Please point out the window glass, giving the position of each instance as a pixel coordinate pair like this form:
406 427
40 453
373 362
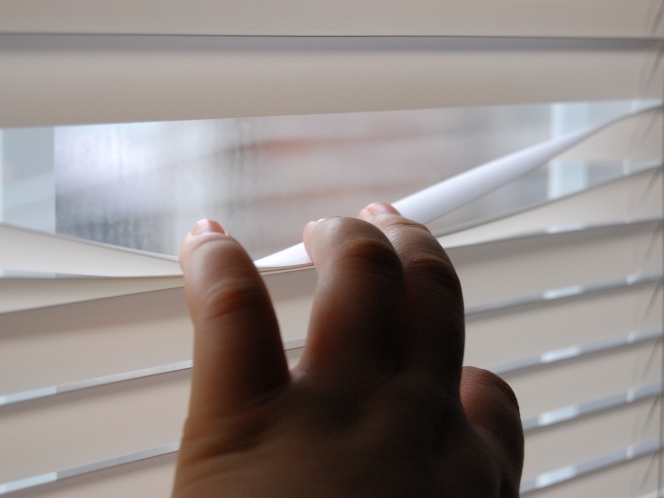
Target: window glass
143 185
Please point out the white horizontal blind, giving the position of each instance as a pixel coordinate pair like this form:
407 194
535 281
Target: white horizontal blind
561 18
558 330
137 78
580 294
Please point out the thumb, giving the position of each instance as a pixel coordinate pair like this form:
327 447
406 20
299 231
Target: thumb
493 409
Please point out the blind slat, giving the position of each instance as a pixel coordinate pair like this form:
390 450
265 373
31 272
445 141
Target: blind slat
590 437
42 348
615 410
27 293
27 250
636 139
635 197
604 375
95 79
152 477
586 18
92 425
556 325
629 477
544 263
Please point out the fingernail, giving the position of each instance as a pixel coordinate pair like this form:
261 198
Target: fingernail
381 208
207 226
313 222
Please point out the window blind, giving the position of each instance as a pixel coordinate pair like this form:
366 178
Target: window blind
61 79
95 340
563 18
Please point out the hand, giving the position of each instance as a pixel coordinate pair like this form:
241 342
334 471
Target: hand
379 405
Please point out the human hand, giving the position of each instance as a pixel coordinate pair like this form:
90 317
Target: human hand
379 404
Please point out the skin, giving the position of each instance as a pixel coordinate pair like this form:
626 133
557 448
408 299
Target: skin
379 404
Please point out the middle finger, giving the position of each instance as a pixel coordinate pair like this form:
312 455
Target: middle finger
356 315
433 337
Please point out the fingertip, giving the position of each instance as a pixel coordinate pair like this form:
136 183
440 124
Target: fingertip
207 226
309 227
477 379
309 233
376 209
196 236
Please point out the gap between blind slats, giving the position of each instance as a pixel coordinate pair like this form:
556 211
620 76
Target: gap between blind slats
94 79
26 250
587 18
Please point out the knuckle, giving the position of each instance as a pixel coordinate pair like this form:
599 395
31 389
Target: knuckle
406 224
496 384
373 253
231 296
422 256
437 268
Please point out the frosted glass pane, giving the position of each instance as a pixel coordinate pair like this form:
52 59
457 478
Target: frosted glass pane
143 185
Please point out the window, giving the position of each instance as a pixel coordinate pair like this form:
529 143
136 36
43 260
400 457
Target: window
97 361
